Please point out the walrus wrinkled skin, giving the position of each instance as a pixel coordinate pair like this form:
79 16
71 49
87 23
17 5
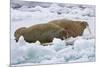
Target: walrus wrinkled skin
45 33
42 32
73 28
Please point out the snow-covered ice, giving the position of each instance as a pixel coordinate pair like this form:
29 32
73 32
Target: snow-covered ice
79 49
58 44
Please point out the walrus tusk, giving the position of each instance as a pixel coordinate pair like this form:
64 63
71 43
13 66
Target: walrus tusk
89 29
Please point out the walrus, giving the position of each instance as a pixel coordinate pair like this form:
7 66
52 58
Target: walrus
73 28
41 32
45 33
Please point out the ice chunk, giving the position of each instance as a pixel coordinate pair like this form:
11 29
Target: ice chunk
81 44
53 60
54 8
31 53
21 41
58 44
68 54
37 43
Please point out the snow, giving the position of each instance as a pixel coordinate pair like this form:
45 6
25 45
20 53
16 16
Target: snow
30 52
78 49
81 44
58 44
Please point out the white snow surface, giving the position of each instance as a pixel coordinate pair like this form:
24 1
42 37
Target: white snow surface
81 50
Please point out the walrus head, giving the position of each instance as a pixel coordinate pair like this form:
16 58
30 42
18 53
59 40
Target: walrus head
85 25
18 33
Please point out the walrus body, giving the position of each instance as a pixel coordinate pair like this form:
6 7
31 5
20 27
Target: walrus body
54 29
42 32
73 28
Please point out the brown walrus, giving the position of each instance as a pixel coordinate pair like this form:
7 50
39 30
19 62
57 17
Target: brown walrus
73 28
45 33
42 32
